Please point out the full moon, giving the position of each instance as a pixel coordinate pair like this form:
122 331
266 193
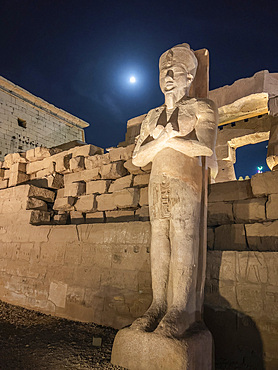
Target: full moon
132 80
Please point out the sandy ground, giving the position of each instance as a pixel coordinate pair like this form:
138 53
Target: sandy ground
33 341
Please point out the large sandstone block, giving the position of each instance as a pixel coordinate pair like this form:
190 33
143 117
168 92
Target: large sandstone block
39 217
12 158
147 168
86 203
62 234
121 183
62 163
94 217
64 204
210 238
36 166
15 167
263 236
17 178
272 207
60 218
7 174
144 198
49 170
228 191
60 193
11 205
77 163
141 180
86 175
41 193
18 192
220 213
86 150
134 170
126 198
230 237
77 218
142 214
119 216
249 210
265 183
105 202
96 160
34 203
38 153
122 153
4 184
96 187
55 181
75 189
113 170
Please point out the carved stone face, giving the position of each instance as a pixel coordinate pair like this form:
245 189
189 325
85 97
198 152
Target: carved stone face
174 78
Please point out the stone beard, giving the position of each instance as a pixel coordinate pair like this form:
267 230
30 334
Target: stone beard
176 138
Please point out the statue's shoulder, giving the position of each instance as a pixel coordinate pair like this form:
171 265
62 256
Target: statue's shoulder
200 103
153 114
205 104
155 111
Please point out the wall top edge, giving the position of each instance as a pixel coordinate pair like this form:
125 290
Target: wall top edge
17 91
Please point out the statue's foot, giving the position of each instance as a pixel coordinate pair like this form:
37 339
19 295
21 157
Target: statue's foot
174 324
149 321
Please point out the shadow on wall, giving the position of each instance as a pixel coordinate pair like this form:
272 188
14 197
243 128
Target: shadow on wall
238 344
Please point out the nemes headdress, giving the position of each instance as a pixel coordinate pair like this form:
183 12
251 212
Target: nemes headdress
179 54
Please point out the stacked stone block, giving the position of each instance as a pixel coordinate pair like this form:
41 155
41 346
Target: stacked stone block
104 188
26 204
242 215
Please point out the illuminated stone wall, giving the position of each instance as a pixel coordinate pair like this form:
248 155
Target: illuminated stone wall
79 248
27 121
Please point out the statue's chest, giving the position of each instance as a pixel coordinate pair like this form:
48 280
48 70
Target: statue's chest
183 119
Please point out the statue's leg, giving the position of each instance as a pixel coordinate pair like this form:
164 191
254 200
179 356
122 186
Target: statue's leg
184 238
160 261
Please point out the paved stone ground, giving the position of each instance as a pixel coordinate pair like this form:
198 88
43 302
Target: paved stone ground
33 341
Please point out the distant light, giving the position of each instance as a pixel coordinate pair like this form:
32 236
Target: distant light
132 80
260 169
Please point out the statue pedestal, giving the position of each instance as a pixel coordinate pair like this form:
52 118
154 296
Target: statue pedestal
139 350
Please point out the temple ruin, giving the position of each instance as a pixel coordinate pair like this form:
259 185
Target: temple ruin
75 231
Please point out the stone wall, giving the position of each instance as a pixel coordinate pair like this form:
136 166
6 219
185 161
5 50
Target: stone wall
91 186
27 121
90 259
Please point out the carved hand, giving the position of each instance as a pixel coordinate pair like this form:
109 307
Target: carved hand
170 130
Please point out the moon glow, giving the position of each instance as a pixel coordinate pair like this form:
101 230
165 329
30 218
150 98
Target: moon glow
132 80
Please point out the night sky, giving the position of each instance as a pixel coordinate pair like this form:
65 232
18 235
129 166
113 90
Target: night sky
79 55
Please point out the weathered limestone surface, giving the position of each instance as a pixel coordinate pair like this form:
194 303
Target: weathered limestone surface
263 185
229 191
249 210
161 352
220 213
271 207
230 237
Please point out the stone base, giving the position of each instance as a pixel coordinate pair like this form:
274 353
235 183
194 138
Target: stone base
138 350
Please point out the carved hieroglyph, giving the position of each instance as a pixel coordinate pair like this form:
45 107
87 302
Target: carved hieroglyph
176 137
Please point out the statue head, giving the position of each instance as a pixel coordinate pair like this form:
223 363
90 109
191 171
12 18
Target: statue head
177 67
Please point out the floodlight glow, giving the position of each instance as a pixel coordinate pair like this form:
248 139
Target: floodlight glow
132 80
